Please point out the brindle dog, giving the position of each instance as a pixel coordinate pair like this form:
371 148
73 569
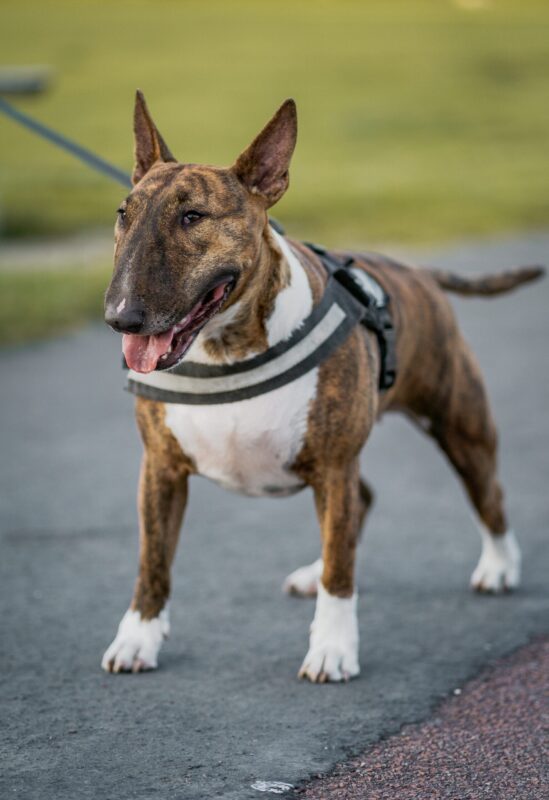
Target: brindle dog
196 263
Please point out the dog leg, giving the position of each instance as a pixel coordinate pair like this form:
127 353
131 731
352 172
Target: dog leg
303 582
467 434
498 569
162 501
333 646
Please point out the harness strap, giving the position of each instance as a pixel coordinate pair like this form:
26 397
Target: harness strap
375 302
191 383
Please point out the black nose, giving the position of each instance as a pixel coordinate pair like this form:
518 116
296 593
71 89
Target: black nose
126 318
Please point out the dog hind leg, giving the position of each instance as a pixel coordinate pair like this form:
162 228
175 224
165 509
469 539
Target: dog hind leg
467 434
303 582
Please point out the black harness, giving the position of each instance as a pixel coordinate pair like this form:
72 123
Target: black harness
376 314
351 296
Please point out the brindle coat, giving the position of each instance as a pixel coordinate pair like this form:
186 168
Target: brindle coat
163 270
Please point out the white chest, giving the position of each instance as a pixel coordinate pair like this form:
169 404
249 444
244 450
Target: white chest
250 445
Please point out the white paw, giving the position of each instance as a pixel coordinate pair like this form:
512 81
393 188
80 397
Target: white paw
333 645
303 582
499 566
137 643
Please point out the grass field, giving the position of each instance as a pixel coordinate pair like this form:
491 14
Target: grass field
40 304
419 121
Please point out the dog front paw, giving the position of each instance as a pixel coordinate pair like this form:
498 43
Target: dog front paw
303 582
137 643
331 663
333 646
498 569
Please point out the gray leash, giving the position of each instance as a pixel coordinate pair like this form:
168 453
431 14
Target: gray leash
85 155
82 153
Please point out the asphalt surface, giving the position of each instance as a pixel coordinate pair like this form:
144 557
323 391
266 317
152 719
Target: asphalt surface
488 741
225 710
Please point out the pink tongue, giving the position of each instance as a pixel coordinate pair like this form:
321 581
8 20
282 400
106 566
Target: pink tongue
142 352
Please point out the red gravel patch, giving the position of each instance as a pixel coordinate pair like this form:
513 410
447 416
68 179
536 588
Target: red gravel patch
490 742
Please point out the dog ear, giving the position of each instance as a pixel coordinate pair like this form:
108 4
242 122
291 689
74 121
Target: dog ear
263 167
149 144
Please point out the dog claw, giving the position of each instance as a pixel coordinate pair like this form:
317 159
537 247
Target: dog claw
326 673
137 643
493 584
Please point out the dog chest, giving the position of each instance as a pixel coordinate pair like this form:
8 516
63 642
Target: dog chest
248 446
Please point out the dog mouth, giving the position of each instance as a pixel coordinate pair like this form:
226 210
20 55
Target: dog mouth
165 350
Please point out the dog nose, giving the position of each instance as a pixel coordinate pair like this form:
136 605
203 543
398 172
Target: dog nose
125 318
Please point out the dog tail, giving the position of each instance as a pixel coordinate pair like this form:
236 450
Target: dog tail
486 285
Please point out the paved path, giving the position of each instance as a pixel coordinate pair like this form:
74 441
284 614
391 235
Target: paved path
85 248
225 710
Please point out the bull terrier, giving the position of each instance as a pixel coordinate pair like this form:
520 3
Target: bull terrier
201 279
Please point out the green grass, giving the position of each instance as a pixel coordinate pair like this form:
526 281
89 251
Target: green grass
419 121
40 304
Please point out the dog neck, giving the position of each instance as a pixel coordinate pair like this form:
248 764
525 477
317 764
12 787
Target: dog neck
273 303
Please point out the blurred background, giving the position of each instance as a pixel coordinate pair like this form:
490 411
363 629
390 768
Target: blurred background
421 122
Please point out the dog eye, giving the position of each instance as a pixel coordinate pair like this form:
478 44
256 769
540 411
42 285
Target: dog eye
189 217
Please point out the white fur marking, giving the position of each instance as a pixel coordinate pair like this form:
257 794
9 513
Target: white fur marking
294 303
499 565
137 643
303 582
247 446
121 305
333 645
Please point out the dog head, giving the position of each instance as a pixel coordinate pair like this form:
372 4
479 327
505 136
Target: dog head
188 236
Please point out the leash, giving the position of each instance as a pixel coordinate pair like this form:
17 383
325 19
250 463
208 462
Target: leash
82 153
